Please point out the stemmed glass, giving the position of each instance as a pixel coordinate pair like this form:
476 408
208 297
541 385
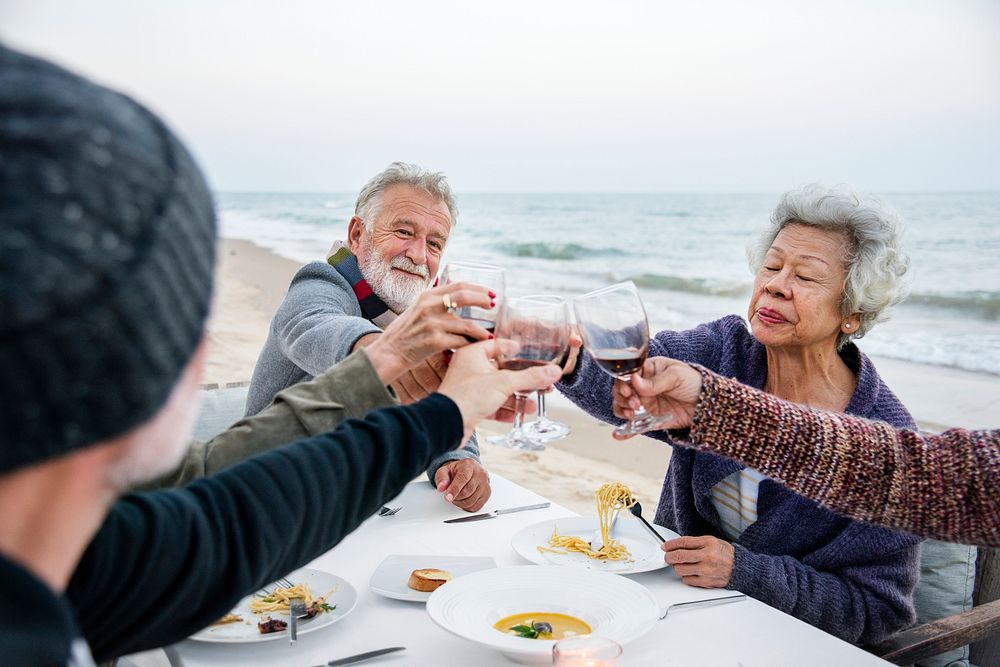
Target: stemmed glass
615 332
489 276
532 333
543 429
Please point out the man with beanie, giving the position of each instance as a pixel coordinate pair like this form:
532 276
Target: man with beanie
106 251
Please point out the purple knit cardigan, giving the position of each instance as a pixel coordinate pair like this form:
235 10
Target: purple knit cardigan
851 579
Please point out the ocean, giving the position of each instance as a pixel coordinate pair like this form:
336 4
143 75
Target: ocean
686 253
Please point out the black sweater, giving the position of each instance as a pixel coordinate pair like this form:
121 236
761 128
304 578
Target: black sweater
168 563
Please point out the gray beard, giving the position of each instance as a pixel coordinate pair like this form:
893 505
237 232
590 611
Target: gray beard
397 292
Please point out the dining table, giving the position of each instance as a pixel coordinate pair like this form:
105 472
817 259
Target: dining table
745 634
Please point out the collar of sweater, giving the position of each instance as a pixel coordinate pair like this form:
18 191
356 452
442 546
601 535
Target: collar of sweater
372 307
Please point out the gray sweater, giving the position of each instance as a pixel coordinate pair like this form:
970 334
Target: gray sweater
316 327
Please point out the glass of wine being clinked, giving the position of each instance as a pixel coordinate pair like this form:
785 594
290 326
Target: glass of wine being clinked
489 276
615 332
531 332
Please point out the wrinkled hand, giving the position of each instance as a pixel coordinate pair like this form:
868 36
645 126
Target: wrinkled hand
422 380
664 387
705 562
426 328
479 388
464 483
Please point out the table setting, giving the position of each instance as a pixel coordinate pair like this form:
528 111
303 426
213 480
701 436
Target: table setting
747 632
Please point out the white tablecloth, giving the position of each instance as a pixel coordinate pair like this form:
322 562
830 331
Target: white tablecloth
747 633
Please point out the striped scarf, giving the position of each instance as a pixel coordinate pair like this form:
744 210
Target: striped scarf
372 307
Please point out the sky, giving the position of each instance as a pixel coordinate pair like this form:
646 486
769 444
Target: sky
553 96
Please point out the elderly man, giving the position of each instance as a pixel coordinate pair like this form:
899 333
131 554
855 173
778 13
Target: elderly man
106 253
402 221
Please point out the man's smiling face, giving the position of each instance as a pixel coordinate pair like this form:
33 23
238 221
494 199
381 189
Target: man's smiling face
400 256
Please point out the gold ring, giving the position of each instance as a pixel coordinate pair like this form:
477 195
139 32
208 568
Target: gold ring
448 304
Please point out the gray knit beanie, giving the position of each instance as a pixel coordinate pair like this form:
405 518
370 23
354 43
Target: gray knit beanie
107 241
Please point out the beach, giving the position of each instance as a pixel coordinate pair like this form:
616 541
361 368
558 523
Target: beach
251 281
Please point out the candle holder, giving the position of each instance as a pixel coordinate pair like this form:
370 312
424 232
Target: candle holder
586 651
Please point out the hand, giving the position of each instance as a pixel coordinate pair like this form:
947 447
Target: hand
464 483
422 380
479 388
705 562
426 328
664 387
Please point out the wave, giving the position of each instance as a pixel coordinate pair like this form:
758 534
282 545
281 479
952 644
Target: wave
985 305
557 251
691 285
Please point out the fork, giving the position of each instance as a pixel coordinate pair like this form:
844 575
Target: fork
595 542
385 510
296 609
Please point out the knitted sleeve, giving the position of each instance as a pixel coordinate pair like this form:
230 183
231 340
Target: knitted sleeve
319 320
165 564
945 487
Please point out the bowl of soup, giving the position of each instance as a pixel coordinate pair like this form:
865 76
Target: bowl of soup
522 611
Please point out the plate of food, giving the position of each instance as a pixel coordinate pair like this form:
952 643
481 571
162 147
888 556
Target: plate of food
263 616
595 543
522 611
414 578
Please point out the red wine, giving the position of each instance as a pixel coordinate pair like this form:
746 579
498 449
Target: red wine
489 325
619 361
521 364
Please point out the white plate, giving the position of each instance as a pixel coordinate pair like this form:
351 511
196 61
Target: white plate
644 549
391 577
613 607
245 632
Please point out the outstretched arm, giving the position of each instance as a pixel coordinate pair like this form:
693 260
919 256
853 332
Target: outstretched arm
945 486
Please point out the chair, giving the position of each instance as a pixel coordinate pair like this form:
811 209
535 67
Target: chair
221 407
980 626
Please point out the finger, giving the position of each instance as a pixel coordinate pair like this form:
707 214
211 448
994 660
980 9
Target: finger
699 581
404 396
530 379
685 542
683 556
685 570
411 387
472 295
426 378
460 477
442 477
622 436
476 502
468 491
438 363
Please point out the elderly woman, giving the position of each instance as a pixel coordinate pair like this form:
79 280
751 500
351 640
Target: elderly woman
827 269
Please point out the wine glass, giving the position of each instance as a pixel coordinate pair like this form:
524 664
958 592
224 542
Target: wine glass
615 333
489 276
542 428
531 333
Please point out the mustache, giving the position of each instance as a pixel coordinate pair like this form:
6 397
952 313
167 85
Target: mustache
406 264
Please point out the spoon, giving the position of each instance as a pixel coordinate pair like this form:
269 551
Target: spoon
636 510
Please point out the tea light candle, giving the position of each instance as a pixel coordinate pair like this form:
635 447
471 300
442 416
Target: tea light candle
586 651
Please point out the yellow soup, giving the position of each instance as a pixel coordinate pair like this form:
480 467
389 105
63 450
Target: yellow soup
530 626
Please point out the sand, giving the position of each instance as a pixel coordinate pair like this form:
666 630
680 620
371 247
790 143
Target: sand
251 281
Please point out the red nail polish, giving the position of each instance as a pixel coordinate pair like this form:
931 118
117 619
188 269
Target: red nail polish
491 336
492 295
493 304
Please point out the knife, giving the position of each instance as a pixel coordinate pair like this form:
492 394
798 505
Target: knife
351 659
495 513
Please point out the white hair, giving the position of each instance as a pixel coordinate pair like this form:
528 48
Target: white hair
875 261
433 183
398 292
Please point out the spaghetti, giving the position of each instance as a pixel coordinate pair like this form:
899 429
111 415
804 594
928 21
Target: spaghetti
280 599
610 498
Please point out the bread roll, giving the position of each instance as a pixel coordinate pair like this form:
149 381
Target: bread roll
428 580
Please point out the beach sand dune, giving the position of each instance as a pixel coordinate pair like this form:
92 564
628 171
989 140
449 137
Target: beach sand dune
251 281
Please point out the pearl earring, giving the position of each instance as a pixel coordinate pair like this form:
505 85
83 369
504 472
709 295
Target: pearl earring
847 326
